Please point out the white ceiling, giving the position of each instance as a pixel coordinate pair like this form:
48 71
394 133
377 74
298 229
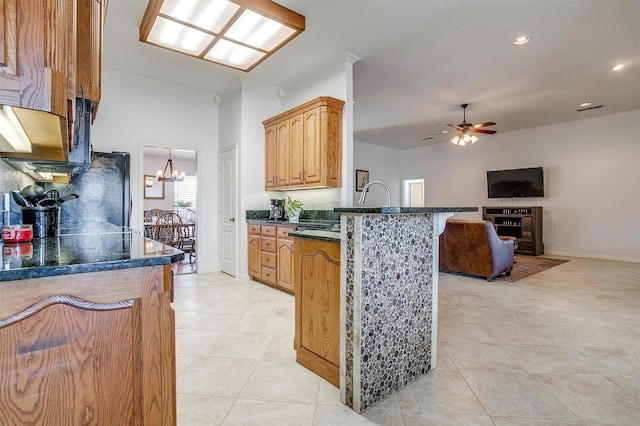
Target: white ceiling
421 59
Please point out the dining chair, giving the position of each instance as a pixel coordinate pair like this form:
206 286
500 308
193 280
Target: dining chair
168 230
149 219
189 239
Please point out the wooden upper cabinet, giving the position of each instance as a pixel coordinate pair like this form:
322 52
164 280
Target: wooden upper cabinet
90 24
38 45
296 150
271 155
282 153
315 145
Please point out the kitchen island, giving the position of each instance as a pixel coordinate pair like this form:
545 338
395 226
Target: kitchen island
388 298
86 329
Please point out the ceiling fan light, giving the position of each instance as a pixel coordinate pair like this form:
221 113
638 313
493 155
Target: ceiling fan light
466 137
455 140
521 40
474 139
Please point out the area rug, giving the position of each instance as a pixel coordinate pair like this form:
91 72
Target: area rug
526 266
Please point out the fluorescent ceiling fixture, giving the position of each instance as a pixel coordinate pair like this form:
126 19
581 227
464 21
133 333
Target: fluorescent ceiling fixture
521 40
236 33
618 67
12 132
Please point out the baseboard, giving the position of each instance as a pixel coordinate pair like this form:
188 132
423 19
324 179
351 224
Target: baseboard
593 256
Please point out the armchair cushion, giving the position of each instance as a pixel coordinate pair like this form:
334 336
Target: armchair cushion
473 247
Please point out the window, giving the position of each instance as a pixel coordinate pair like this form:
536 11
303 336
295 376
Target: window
186 190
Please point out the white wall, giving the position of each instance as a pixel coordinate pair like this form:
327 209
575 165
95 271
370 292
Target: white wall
383 164
134 112
592 181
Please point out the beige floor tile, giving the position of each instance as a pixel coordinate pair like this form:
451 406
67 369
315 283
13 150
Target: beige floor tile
258 324
629 382
249 413
595 399
239 345
422 418
216 376
202 410
505 394
210 321
194 342
280 348
328 394
538 359
480 356
182 362
335 415
439 391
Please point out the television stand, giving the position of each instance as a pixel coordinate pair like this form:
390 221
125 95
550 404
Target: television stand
522 223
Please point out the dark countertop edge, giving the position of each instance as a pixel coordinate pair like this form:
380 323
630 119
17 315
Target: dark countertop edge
404 210
308 236
287 223
54 270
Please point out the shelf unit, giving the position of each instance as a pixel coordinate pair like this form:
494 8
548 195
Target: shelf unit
522 223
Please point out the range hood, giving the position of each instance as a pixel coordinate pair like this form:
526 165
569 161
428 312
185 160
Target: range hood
50 158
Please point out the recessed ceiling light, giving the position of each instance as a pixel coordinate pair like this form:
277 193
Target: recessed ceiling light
521 40
618 67
584 104
445 131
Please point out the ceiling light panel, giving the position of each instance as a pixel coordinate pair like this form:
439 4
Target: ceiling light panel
206 14
258 31
236 33
176 36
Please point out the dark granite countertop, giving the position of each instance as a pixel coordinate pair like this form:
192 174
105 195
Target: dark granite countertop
83 249
314 234
404 210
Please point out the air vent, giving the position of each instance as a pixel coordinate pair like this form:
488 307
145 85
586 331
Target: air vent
588 108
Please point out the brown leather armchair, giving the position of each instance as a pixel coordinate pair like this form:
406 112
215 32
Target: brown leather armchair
473 247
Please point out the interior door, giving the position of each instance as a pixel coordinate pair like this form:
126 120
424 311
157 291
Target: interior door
228 211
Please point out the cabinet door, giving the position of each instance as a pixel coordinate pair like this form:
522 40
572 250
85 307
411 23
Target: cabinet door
296 149
8 49
89 48
312 147
254 255
285 264
282 153
270 156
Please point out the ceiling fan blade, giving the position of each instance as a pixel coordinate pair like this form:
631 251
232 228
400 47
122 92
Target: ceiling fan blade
488 123
455 127
488 132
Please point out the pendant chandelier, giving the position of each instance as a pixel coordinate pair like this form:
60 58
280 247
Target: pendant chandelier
173 176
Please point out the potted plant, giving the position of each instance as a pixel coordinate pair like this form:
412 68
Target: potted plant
293 208
182 206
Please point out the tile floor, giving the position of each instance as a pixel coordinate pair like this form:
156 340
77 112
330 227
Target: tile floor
560 348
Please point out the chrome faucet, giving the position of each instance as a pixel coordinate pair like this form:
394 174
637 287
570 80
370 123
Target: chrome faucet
366 187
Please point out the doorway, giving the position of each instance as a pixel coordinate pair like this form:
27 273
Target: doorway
413 193
178 197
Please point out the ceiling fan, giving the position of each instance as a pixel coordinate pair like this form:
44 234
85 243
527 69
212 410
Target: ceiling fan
463 137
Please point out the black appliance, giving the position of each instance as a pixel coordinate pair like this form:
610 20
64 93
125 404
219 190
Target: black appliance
104 190
515 183
276 211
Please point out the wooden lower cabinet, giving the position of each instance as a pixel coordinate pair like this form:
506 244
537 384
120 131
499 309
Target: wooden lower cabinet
317 307
92 348
270 252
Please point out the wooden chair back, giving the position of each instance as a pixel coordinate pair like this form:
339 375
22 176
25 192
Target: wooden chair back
168 229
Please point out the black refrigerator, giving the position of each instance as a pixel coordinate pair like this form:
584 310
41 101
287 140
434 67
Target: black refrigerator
104 190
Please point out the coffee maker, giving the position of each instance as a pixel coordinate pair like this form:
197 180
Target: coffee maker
276 212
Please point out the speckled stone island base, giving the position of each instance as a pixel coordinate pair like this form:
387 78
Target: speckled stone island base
388 303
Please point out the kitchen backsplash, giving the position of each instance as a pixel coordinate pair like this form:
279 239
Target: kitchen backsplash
305 215
11 180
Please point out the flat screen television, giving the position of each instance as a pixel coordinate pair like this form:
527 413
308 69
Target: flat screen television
515 183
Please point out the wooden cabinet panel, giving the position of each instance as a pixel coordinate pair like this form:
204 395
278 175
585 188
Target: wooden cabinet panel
268 231
254 255
269 260
285 264
283 231
312 147
268 244
270 152
254 229
522 223
94 348
282 152
90 22
317 317
296 156
8 49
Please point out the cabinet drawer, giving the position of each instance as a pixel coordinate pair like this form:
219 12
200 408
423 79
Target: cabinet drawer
268 244
269 275
268 231
283 231
254 229
524 245
269 259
